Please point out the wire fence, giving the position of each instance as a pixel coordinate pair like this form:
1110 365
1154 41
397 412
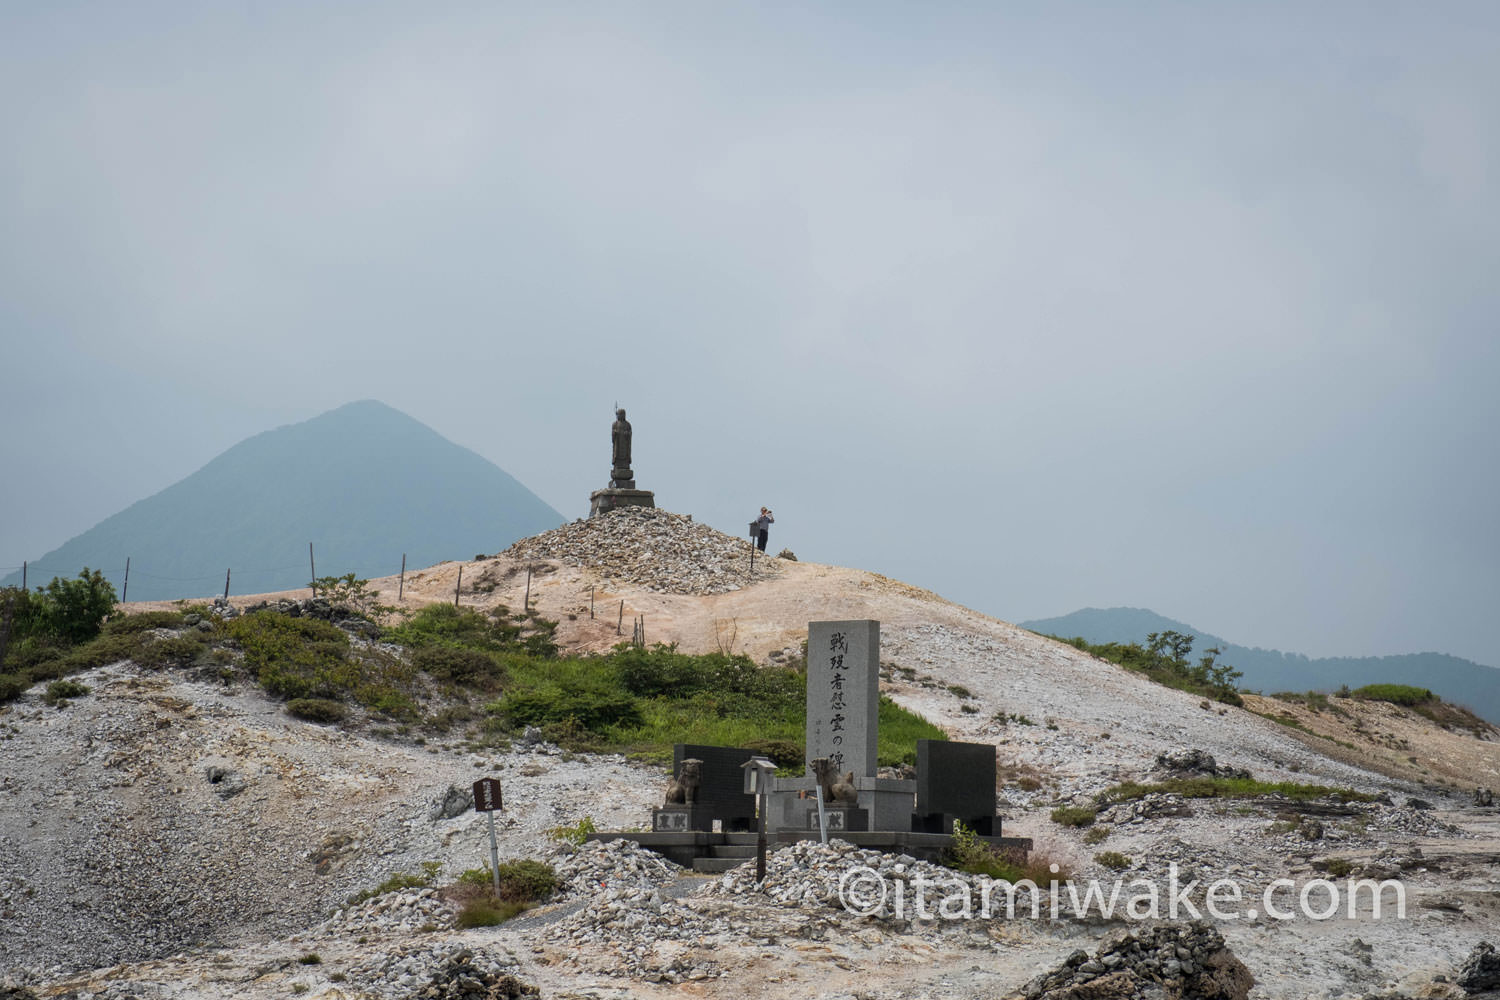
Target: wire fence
231 579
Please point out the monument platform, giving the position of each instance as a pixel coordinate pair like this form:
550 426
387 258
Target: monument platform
607 499
685 847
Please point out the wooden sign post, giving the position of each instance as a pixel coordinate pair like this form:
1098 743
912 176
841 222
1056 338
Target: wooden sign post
487 800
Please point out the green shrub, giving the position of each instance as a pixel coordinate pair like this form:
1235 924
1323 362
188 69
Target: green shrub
143 621
1113 859
970 854
1339 867
294 657
785 753
465 667
526 881
1164 659
587 692
1078 816
495 632
661 670
347 593
1096 834
575 834
399 881
58 692
486 912
1396 694
178 651
74 610
101 652
12 687
317 709
311 958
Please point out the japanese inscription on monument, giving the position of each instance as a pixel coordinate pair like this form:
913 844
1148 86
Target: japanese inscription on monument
843 693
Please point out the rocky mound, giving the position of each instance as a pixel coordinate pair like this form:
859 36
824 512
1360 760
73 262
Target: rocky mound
1188 960
653 548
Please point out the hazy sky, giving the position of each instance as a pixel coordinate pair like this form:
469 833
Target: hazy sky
1182 306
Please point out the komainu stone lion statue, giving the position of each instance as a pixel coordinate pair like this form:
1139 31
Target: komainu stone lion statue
837 789
683 789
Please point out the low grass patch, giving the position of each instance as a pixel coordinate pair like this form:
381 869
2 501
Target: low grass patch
317 709
1076 816
642 701
60 692
1229 788
305 658
523 884
1165 660
487 912
971 854
1113 860
1396 694
399 881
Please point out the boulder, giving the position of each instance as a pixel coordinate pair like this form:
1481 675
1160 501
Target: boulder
1481 970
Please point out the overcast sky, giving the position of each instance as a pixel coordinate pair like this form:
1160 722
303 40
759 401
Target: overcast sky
1182 306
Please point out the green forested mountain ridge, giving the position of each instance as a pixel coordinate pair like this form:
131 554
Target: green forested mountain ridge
364 483
1454 679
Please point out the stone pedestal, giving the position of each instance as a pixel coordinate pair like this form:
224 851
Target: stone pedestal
884 804
841 819
678 819
605 500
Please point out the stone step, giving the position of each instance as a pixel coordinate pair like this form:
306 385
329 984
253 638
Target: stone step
740 851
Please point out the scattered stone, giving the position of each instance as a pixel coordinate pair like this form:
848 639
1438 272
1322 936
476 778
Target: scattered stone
1484 797
1153 806
460 979
227 782
1197 762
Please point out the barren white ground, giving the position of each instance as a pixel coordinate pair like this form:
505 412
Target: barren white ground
109 817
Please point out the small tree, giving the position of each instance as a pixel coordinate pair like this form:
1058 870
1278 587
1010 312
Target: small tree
74 610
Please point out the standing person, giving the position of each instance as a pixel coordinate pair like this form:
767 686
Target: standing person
763 528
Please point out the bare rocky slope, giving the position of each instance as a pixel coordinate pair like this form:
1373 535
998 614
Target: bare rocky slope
173 836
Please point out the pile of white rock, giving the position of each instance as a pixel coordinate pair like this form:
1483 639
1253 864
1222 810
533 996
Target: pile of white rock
652 548
595 866
644 934
440 970
405 911
860 883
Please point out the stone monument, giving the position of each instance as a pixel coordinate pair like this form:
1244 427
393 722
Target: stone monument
621 491
843 705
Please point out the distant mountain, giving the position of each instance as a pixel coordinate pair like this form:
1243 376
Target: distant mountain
364 483
1463 682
